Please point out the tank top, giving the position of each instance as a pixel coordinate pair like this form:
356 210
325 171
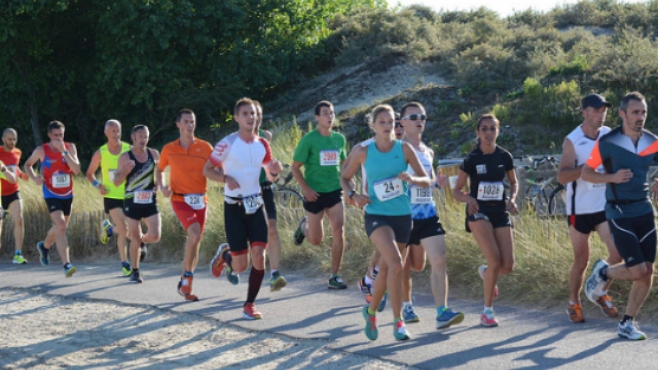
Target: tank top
57 175
585 197
388 195
109 163
10 159
422 202
140 181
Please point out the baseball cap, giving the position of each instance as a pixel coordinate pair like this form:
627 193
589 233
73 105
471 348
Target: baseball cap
594 101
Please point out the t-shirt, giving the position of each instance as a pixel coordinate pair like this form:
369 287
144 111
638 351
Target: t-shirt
10 159
486 173
616 151
321 157
422 202
186 168
243 161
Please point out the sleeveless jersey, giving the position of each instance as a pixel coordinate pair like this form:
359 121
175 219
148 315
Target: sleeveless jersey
422 202
10 159
141 177
57 175
487 173
109 163
585 197
382 170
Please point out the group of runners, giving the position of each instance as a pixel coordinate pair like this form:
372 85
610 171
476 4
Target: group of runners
605 172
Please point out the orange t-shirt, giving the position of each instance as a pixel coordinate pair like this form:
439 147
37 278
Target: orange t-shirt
186 167
10 159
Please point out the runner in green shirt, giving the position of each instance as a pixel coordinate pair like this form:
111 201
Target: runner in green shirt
321 152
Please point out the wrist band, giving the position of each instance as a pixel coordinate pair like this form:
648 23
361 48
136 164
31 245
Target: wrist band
224 178
64 153
95 183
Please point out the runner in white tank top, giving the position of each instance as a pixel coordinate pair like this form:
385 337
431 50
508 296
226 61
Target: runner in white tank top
585 202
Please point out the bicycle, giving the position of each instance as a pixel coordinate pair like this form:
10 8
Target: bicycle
538 190
557 202
286 196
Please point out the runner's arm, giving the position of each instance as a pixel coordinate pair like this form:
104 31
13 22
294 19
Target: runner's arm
590 174
159 175
347 175
93 167
124 166
37 155
214 173
7 175
568 171
421 179
71 156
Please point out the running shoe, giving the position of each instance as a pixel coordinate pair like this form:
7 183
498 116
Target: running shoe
575 313
142 252
595 283
44 254
605 303
217 264
277 282
446 317
487 319
299 236
125 268
400 331
106 231
231 276
371 324
69 270
135 277
481 271
366 289
335 282
409 315
382 303
18 259
251 313
185 289
630 330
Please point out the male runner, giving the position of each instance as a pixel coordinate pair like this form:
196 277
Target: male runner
59 161
626 154
277 281
11 198
186 158
107 157
241 155
586 203
136 168
320 152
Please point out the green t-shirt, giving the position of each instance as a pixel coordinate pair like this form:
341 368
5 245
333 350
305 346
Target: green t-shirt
321 156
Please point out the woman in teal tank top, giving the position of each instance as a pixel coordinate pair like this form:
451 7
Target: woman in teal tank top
388 210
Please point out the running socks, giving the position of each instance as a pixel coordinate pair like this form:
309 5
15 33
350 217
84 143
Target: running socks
273 272
67 265
188 273
626 318
255 280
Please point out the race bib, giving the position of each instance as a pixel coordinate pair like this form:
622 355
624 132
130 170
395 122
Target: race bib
143 197
12 168
195 201
592 186
421 195
62 180
329 158
388 189
490 191
111 174
252 203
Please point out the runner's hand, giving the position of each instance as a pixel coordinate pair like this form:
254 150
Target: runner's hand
59 145
23 176
622 176
442 179
130 165
166 191
360 200
102 189
38 180
231 183
310 195
405 176
275 167
511 207
473 207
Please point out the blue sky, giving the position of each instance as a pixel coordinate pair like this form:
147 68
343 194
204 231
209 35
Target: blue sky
502 7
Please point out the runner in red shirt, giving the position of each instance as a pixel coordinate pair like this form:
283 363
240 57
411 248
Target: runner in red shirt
11 200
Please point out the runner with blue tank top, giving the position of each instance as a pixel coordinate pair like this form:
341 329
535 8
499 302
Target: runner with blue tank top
487 206
388 210
59 161
427 230
626 154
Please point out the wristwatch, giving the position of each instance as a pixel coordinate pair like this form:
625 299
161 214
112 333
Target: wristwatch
351 193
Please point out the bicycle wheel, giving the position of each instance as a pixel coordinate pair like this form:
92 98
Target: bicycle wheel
289 204
541 202
557 202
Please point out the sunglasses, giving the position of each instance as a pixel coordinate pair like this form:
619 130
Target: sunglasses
415 117
398 124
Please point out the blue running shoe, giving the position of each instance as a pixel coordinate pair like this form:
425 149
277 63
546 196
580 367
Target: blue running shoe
400 331
371 324
230 276
44 254
408 314
446 317
382 303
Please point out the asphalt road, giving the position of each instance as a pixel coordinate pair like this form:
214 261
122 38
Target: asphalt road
306 310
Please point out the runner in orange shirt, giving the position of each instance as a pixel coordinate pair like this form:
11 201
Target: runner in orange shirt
187 187
11 199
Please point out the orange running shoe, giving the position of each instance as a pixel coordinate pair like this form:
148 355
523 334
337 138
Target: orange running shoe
251 313
575 312
217 264
605 303
185 289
